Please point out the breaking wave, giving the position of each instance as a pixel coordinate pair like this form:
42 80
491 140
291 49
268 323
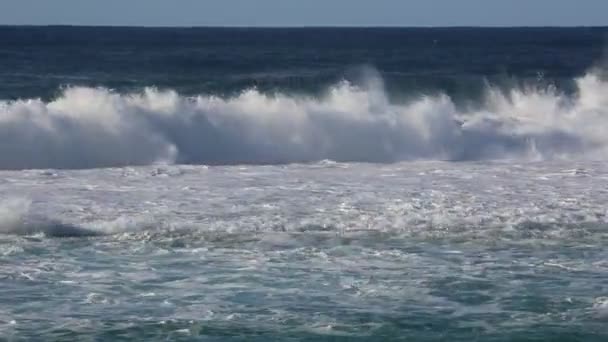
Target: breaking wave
96 127
15 218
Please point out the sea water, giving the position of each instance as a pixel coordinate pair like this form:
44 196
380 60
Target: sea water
303 184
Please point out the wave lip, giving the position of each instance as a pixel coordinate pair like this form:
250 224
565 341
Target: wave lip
95 127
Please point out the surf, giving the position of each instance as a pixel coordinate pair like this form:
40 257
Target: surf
96 127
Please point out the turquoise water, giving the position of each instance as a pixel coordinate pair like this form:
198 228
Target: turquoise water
370 288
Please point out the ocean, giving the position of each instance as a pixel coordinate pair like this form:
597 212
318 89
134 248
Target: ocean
303 184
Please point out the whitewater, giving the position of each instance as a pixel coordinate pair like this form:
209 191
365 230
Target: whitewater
96 127
323 251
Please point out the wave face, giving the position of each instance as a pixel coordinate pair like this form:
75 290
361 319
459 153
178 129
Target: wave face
96 127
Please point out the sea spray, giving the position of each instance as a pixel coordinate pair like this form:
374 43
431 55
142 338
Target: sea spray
96 127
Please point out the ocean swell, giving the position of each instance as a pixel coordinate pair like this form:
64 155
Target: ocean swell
96 127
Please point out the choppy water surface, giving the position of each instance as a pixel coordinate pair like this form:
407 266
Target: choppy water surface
423 251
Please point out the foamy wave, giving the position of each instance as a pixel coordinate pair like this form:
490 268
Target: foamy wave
15 218
95 127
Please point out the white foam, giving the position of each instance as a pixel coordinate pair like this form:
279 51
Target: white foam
95 127
12 214
16 218
600 306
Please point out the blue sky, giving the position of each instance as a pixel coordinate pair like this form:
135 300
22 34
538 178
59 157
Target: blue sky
306 12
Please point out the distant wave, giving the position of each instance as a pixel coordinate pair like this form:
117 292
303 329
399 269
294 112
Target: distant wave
96 127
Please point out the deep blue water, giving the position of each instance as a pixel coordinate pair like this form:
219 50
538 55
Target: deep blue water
36 61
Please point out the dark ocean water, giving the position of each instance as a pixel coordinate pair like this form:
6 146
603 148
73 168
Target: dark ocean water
318 184
36 61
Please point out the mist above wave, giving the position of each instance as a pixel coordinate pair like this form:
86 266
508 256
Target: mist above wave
96 127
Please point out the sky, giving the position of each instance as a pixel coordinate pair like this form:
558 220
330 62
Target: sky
306 12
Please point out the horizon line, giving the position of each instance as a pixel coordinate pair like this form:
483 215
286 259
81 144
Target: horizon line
308 26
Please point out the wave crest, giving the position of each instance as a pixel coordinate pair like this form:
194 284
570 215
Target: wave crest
96 127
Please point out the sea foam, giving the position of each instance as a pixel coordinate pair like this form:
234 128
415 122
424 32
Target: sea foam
96 127
16 218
